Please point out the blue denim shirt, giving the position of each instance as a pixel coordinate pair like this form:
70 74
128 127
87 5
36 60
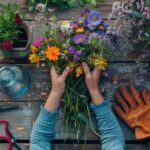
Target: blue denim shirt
111 135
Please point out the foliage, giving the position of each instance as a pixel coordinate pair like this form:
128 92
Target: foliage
8 27
61 4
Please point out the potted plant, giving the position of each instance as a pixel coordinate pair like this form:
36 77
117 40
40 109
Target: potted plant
15 36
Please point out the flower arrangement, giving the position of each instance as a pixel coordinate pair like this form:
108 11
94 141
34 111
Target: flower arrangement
133 23
69 43
9 24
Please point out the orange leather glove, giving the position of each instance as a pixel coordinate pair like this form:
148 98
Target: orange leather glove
134 109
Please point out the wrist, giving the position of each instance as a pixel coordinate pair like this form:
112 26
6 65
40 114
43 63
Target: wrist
96 96
56 93
53 100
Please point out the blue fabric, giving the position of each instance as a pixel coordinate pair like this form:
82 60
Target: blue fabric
109 129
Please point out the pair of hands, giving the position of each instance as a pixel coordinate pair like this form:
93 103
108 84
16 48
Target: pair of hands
58 86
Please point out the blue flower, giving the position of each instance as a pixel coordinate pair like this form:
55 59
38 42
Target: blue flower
94 18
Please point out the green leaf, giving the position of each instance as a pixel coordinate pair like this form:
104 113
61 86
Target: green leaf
86 1
93 3
71 3
82 3
82 117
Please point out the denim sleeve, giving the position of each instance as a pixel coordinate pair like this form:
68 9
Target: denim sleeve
43 131
111 136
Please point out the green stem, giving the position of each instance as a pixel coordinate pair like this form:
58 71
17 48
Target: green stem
91 121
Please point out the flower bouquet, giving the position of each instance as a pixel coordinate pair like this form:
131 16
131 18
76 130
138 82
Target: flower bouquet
69 43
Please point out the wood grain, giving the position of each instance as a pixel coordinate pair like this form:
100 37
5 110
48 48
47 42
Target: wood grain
25 116
80 147
122 73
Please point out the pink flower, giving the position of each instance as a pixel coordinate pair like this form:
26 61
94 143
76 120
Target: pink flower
38 41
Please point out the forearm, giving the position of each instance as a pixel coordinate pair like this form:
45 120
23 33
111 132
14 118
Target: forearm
111 135
43 130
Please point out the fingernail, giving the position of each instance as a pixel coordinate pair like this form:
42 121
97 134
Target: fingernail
68 68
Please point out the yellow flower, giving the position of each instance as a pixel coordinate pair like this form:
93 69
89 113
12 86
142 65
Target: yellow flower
71 65
65 22
65 52
52 53
79 71
34 58
80 30
101 63
33 49
50 39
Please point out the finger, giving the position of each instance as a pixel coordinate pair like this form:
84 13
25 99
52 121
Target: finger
136 94
53 72
119 112
86 70
96 73
146 95
65 73
122 103
125 93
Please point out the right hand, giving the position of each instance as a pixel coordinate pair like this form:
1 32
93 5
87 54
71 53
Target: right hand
92 82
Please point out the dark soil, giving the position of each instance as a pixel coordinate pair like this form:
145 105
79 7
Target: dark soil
22 39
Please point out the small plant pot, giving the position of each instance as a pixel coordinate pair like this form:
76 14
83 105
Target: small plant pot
21 45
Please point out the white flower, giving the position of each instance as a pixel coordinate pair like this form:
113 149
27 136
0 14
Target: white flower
66 27
40 7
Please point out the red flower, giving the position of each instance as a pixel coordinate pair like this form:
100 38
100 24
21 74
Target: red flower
18 19
7 45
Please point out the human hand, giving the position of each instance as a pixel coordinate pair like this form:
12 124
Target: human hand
92 82
58 88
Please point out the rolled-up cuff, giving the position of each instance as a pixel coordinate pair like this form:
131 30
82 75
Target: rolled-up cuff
101 109
46 115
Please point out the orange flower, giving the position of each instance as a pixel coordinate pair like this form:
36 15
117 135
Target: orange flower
80 30
79 71
52 53
33 49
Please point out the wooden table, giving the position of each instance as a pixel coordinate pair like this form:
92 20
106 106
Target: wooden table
21 120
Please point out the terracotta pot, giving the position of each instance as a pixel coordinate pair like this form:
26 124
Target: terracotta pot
22 43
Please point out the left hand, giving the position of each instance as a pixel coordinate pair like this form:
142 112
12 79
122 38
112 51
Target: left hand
58 88
58 81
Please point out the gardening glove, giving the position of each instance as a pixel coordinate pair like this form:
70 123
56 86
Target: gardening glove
134 109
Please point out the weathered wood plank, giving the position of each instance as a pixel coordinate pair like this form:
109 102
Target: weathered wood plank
26 114
122 73
80 147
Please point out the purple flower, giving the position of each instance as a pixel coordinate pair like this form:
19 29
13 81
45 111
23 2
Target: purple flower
62 35
74 25
79 38
76 54
108 73
75 57
71 50
86 12
102 33
94 18
38 41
